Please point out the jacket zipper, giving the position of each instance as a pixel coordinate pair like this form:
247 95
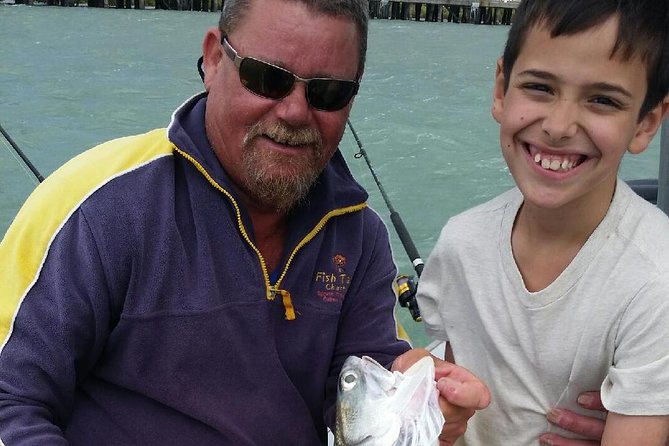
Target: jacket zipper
272 290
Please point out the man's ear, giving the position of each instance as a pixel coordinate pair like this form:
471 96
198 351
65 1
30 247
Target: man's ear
648 126
212 52
498 91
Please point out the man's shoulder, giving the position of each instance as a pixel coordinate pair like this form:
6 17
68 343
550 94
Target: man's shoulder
75 181
113 158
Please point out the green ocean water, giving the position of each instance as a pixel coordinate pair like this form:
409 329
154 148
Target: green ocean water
74 77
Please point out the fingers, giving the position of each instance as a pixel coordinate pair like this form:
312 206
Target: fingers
456 384
460 395
556 440
407 359
588 427
455 423
591 400
451 432
454 414
460 387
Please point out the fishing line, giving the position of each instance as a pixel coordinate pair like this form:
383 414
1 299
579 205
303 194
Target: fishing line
406 287
23 157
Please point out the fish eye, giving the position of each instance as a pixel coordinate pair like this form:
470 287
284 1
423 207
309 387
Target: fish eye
348 380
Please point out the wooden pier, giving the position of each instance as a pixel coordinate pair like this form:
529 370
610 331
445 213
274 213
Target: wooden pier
491 12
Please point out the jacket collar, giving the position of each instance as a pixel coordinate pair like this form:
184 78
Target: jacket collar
334 188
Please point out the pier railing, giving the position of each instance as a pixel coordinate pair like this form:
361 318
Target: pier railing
490 12
456 11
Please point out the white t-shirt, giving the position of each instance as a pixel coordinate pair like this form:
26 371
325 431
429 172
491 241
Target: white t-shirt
603 323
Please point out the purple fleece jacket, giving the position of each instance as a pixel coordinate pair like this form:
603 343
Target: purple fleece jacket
150 319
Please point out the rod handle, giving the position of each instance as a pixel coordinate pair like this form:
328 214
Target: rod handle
407 242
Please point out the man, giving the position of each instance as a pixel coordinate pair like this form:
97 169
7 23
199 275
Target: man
203 285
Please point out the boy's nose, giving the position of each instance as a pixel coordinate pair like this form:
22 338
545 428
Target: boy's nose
561 120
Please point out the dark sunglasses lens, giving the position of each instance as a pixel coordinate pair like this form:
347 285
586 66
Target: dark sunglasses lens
330 94
264 79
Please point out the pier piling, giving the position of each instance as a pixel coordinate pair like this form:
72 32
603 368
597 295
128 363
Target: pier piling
490 12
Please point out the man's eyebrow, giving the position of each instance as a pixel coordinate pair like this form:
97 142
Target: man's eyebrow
600 86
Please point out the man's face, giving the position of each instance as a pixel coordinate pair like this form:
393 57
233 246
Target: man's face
274 149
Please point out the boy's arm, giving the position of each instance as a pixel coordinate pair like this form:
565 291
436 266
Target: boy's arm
624 430
591 428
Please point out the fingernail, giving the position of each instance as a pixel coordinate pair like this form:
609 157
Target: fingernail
554 415
545 441
584 399
446 386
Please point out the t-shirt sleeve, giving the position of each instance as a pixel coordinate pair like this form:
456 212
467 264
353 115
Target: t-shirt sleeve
430 290
637 382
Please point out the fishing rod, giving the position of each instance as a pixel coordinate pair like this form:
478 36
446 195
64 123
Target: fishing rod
405 284
23 157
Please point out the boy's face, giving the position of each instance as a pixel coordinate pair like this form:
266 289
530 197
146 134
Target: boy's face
569 115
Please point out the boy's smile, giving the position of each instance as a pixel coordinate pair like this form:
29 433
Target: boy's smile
569 114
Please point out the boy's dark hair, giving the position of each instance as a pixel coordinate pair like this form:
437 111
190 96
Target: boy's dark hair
643 31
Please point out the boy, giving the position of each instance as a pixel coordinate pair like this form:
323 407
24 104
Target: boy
561 285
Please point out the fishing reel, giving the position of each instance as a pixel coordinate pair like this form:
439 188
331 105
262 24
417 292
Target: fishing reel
406 295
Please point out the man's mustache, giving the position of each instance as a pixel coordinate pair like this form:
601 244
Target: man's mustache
284 134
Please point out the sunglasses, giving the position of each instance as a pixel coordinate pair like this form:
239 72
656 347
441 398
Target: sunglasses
269 81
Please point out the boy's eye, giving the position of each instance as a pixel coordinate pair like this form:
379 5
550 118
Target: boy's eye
605 100
536 87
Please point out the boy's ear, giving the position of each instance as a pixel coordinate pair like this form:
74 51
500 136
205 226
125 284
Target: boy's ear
498 92
212 52
648 126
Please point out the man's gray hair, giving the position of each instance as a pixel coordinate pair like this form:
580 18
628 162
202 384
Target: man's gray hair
356 10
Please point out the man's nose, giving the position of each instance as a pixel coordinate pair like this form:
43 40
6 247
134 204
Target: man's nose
294 108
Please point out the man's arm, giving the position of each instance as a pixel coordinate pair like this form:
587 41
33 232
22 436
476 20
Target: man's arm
367 324
53 334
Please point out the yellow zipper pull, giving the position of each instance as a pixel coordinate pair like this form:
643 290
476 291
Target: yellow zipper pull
287 304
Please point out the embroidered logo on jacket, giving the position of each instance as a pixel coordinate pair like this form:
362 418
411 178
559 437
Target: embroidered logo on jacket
334 283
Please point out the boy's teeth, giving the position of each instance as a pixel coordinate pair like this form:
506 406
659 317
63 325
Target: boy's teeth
554 163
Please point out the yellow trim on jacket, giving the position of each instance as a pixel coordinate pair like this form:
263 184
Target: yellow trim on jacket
26 243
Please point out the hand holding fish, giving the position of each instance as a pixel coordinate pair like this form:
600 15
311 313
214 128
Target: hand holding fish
460 393
405 406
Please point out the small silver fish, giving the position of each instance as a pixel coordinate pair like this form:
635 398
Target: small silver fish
376 407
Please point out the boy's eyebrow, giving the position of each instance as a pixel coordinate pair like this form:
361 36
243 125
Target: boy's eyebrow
602 86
